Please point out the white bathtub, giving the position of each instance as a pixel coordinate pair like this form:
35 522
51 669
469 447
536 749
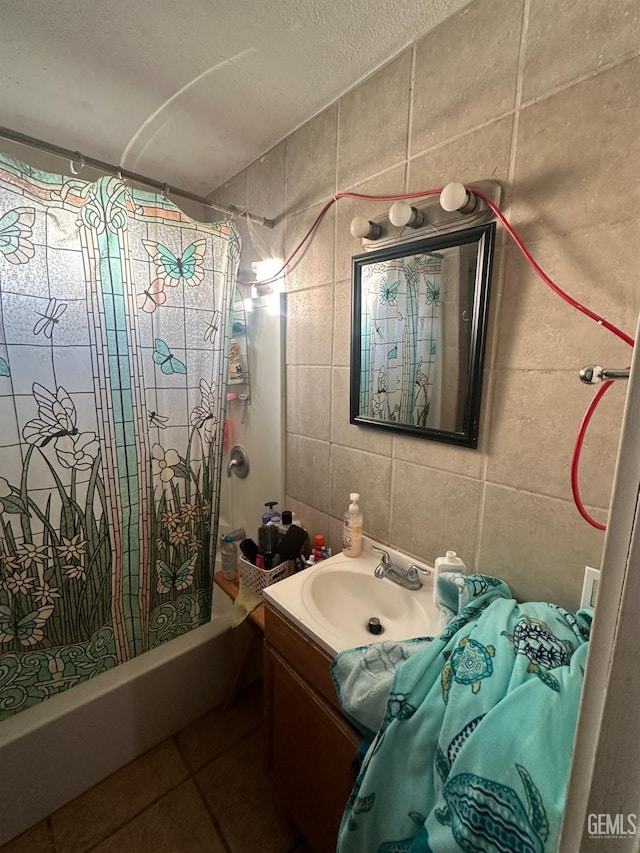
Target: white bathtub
56 750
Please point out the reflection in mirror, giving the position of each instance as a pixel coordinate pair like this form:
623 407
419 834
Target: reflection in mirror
418 335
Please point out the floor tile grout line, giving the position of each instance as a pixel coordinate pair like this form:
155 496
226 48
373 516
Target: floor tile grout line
227 748
52 840
211 811
137 814
297 845
174 737
213 817
189 774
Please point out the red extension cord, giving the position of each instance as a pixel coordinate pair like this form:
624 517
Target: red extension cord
602 321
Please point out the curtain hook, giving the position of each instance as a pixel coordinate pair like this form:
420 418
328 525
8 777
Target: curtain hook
120 176
80 158
165 190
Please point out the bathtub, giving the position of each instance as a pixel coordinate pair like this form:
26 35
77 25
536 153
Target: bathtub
56 750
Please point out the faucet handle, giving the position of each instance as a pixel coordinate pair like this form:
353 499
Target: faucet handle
386 559
238 462
412 574
418 569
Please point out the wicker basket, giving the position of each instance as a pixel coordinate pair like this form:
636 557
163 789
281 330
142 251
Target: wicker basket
257 579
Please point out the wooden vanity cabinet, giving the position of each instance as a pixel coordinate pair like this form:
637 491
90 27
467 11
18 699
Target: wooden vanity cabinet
309 746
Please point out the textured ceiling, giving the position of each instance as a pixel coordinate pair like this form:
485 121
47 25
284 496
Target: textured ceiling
190 91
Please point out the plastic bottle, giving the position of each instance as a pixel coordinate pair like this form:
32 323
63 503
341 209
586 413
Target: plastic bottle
238 534
449 563
268 543
318 548
352 532
229 551
289 518
285 522
271 514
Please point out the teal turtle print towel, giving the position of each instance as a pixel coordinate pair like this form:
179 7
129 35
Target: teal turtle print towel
474 747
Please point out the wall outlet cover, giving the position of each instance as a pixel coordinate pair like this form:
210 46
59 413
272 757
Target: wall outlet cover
590 587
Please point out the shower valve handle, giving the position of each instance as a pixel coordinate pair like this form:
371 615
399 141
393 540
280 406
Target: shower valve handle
238 462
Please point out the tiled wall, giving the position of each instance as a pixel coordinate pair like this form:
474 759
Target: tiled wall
542 97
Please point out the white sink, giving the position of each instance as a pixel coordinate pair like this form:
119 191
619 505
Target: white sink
333 601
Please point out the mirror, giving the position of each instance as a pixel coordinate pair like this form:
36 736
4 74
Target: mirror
418 335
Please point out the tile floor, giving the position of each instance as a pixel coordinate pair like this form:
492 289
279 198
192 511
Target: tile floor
202 790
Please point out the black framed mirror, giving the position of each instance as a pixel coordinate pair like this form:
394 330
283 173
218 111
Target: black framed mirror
418 333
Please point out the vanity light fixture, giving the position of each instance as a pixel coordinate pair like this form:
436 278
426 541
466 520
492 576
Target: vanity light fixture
402 214
454 208
265 283
266 289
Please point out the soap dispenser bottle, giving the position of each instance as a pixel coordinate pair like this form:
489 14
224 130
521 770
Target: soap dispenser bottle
449 563
271 515
352 531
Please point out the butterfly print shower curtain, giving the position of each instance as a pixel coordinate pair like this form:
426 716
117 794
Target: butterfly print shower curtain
114 337
402 325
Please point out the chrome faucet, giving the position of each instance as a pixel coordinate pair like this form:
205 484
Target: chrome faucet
408 578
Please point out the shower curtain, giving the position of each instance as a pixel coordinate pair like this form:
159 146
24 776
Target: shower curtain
402 326
114 319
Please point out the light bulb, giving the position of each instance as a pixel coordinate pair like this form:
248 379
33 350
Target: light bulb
364 229
264 270
455 197
401 214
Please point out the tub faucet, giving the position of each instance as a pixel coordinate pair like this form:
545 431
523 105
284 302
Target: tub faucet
408 578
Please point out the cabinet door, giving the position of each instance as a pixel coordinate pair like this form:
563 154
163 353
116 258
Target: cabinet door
310 750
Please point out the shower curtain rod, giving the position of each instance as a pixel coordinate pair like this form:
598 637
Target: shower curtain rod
166 189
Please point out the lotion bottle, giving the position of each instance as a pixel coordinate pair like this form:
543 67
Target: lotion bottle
352 531
271 515
449 563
